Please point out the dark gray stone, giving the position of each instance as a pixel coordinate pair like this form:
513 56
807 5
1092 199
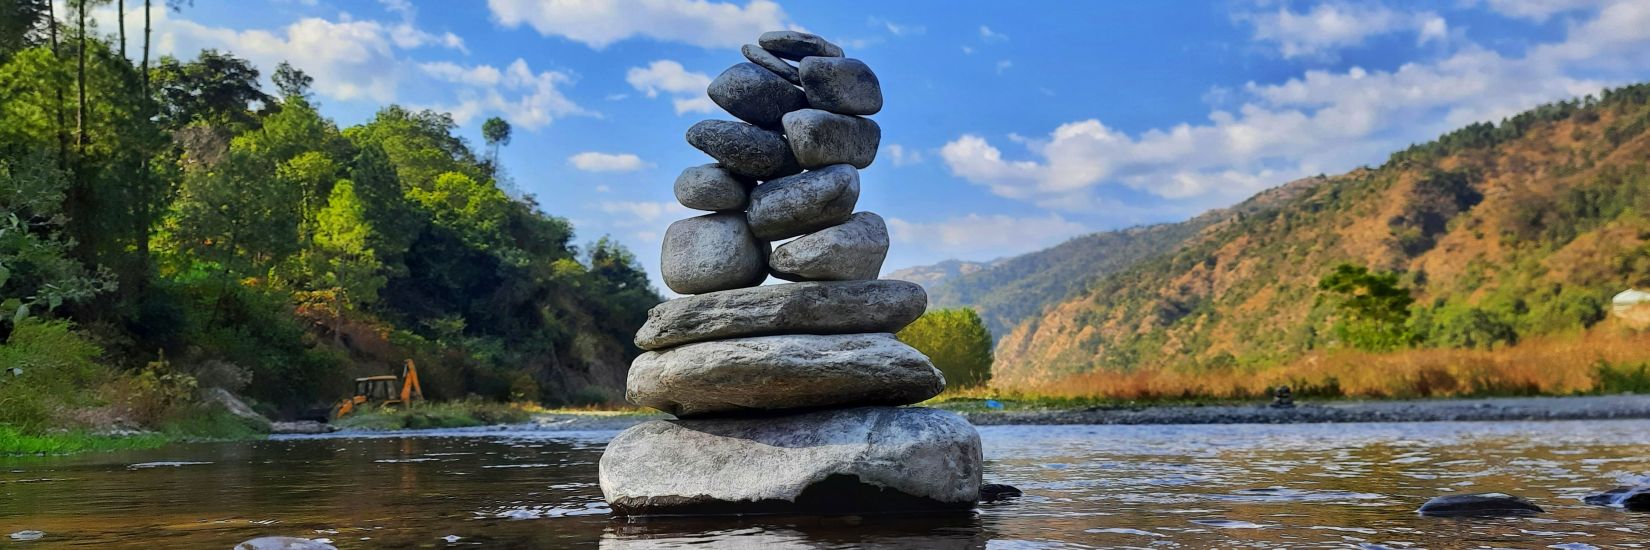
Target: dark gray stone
769 61
993 492
1479 504
852 461
844 307
709 187
785 372
710 253
804 203
1631 498
743 149
851 251
822 138
756 95
794 45
841 85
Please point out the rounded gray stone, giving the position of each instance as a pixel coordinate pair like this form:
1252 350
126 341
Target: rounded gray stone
804 203
851 251
756 95
836 307
769 61
905 459
795 45
744 149
710 253
710 187
840 85
776 373
822 138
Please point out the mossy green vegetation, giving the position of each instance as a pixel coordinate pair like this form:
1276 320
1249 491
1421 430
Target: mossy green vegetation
169 225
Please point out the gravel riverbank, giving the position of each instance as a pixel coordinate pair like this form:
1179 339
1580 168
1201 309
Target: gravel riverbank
1428 410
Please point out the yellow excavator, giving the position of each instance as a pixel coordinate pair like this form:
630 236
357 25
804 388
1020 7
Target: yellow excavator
380 390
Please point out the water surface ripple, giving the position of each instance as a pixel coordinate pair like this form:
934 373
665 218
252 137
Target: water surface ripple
1243 486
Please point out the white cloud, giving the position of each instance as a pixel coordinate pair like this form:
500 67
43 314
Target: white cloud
988 236
1539 10
1004 65
592 161
667 76
898 29
644 213
968 50
598 23
1331 26
989 35
1322 121
603 188
526 98
899 155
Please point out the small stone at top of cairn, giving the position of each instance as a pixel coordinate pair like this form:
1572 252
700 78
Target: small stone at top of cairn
789 398
1282 398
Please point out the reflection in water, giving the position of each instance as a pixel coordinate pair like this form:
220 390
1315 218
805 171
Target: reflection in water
1302 486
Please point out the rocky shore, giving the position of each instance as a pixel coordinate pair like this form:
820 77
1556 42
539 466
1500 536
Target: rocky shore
1506 409
1427 410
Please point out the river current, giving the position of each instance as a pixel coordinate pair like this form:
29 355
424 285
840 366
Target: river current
1215 486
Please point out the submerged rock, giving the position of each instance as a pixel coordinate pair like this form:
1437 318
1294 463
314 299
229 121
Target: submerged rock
861 460
804 308
1631 498
992 492
1479 504
284 543
777 373
301 427
28 535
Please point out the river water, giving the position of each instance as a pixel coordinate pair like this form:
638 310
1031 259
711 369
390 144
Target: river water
1243 486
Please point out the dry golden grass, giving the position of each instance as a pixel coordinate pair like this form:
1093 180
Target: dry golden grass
1604 360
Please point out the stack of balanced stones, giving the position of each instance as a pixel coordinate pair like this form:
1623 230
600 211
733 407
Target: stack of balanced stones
787 397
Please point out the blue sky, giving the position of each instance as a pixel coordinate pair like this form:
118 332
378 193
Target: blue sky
1008 126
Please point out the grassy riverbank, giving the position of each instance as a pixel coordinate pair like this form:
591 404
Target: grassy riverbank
452 414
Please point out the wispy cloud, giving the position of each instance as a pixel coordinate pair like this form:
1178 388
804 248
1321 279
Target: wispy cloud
687 88
599 23
592 161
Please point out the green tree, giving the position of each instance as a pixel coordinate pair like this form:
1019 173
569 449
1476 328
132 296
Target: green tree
1372 309
22 25
292 82
343 237
37 272
957 342
497 133
217 89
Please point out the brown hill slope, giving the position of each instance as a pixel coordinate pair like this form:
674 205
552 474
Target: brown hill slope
1501 231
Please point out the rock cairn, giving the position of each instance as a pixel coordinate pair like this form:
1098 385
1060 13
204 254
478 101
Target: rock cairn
788 396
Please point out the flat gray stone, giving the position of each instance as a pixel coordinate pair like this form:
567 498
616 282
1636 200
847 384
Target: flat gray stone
851 251
794 45
283 543
841 85
743 149
756 95
804 203
844 307
852 461
1479 504
822 138
710 253
769 61
776 373
710 187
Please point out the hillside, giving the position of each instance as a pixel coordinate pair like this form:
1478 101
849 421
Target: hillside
1498 232
1009 290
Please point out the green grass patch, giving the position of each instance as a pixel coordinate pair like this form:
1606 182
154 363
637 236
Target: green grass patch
424 416
15 442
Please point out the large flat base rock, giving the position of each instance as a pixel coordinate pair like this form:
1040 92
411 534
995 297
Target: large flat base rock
849 461
836 307
765 374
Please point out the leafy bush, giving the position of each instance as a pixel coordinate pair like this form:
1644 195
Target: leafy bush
47 367
958 343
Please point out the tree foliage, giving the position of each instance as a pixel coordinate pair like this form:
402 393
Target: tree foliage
956 341
1373 309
